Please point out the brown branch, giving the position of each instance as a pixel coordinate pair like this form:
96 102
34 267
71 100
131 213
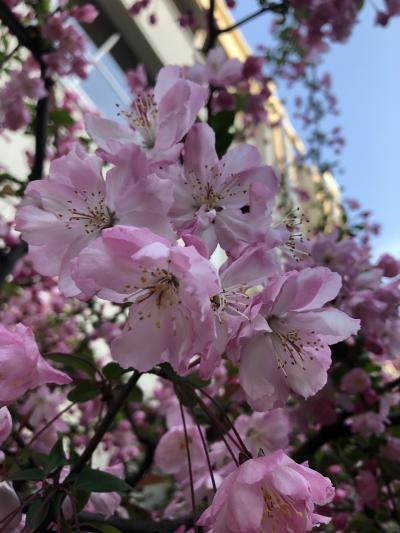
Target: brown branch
325 434
27 37
9 259
211 27
40 128
115 405
280 8
390 385
208 45
150 448
189 460
244 20
30 39
328 434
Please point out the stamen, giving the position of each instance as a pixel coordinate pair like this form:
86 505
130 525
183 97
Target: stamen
143 115
96 217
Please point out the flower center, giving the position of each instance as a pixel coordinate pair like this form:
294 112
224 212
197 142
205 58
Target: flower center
95 215
277 508
292 225
294 345
160 283
143 116
233 300
212 193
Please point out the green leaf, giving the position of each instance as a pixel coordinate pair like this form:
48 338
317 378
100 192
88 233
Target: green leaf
197 381
113 370
84 391
81 498
36 514
390 469
186 395
74 362
221 123
99 481
360 4
61 117
395 431
56 459
136 395
31 474
170 372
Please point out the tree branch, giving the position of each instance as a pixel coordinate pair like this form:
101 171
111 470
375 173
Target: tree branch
208 45
112 411
150 448
212 28
27 37
324 435
327 434
9 259
390 385
244 20
30 39
40 127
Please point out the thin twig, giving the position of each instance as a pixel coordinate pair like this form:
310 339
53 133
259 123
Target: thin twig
189 460
221 429
244 20
113 409
9 55
150 448
226 417
207 457
30 39
56 417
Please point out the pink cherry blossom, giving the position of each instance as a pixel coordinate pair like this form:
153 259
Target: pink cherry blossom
10 508
171 456
266 432
390 265
137 79
86 13
40 407
68 45
22 366
218 70
222 201
62 214
392 449
368 423
271 493
102 503
106 503
231 306
5 424
289 345
159 119
169 288
367 489
355 381
252 67
14 113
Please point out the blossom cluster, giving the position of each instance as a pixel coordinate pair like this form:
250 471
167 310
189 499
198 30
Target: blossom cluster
164 252
62 50
141 222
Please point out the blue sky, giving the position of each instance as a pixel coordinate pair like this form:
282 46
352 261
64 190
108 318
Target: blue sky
366 80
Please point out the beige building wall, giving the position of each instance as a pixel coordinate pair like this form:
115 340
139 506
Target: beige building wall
166 43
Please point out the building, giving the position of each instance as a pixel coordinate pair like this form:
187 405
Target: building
118 42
